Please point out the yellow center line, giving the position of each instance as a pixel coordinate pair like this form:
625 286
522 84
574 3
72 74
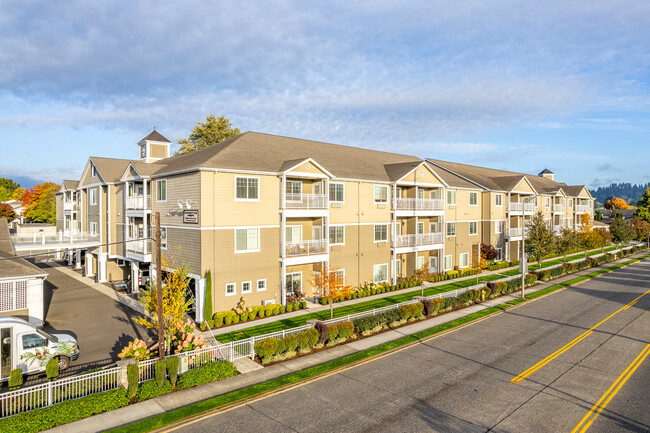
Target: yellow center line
569 345
604 400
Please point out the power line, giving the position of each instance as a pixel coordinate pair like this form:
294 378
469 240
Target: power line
70 249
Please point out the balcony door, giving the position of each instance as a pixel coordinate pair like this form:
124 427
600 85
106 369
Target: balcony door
294 234
294 282
317 233
318 188
420 228
433 264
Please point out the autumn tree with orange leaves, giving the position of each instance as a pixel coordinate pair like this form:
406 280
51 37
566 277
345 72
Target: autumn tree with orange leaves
616 203
39 203
329 283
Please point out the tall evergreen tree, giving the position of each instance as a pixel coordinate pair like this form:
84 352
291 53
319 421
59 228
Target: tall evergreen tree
539 238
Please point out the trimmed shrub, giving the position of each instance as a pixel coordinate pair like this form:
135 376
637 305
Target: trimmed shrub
544 275
267 313
450 303
133 375
266 349
15 378
303 304
160 368
332 332
290 343
151 388
323 300
218 322
203 326
52 369
275 311
227 320
207 373
172 368
289 308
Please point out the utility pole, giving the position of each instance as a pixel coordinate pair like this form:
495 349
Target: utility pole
161 334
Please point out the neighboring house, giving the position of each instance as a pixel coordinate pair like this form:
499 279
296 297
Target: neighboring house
17 206
21 283
264 212
601 225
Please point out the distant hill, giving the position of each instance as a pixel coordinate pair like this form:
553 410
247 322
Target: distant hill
628 192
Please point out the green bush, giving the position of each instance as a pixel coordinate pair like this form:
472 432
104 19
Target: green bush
252 315
266 349
151 388
52 369
322 300
160 368
289 308
282 309
65 412
303 304
346 329
235 319
15 378
172 368
276 311
207 373
450 303
207 308
544 275
218 322
210 324
133 376
203 326
227 320
243 317
290 343
267 313
296 306
332 332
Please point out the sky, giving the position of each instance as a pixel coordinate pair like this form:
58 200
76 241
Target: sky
515 85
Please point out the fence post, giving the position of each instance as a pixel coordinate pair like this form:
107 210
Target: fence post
253 345
122 376
49 393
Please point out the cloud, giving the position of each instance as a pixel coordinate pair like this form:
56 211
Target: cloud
603 182
607 167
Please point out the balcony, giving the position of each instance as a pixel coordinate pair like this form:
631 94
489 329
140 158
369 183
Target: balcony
69 206
557 229
306 248
137 202
515 232
139 246
521 207
416 240
558 208
419 204
305 201
582 208
49 241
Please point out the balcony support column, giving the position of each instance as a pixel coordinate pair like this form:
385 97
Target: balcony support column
393 257
144 194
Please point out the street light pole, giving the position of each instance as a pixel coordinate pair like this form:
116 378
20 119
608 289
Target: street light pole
522 257
159 304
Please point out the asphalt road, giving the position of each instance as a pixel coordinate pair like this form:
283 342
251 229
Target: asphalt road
463 381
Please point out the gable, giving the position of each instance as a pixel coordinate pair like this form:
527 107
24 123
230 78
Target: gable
422 174
524 187
87 178
308 167
130 173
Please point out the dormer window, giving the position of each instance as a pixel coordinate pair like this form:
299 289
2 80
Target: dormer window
93 171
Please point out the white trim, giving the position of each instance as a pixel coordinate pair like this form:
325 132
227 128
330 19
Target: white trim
470 198
374 232
250 287
291 227
462 177
158 182
328 192
447 224
258 240
385 187
234 285
92 202
336 226
499 195
374 272
460 260
470 228
259 188
444 263
257 286
447 197
306 160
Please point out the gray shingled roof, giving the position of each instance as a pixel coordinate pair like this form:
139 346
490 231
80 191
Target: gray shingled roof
155 136
502 180
71 184
110 169
15 267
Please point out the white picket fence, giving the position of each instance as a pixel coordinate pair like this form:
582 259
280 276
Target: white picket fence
73 387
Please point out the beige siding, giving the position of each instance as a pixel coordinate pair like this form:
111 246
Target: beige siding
158 151
183 245
232 212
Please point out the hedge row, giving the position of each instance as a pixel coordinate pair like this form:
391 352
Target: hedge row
503 264
369 290
225 318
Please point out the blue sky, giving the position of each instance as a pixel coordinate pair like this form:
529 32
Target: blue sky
507 84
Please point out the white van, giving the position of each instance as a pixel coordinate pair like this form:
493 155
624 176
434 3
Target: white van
26 347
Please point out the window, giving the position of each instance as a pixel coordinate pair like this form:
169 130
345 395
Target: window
261 285
473 199
93 228
570 202
163 238
161 190
380 273
337 235
246 287
419 262
294 282
337 192
294 190
420 228
93 196
294 233
381 232
498 200
397 267
339 276
451 197
93 171
381 194
464 260
448 265
499 254
498 226
31 341
398 228
473 227
247 240
247 188
451 229
548 203
231 289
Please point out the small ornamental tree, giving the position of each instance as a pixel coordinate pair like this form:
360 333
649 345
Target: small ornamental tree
175 302
641 229
488 252
7 211
599 215
616 203
39 203
586 233
567 241
643 206
539 238
602 238
330 284
622 231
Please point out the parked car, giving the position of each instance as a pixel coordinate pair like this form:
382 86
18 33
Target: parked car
24 346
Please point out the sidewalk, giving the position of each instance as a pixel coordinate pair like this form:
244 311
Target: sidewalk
178 399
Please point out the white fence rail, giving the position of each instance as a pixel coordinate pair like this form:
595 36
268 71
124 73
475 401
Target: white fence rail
419 204
306 248
418 239
305 201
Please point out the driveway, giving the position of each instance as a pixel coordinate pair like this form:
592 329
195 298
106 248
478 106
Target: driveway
101 325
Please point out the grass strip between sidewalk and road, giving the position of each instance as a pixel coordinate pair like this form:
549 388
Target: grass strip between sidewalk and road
547 263
274 385
294 322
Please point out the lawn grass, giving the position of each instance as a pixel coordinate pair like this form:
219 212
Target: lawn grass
548 263
294 322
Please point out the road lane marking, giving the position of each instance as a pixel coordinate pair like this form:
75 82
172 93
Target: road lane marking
528 372
604 400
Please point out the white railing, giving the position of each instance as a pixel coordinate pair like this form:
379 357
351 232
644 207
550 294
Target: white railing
557 229
582 208
529 207
515 207
69 206
516 232
138 202
419 204
306 201
418 239
140 246
558 208
67 388
70 236
306 248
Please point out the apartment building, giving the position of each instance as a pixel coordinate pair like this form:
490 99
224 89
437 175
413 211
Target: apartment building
263 213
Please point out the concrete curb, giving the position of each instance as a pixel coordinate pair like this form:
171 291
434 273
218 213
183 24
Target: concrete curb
186 397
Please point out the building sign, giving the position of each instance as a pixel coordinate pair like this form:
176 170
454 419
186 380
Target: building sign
190 217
